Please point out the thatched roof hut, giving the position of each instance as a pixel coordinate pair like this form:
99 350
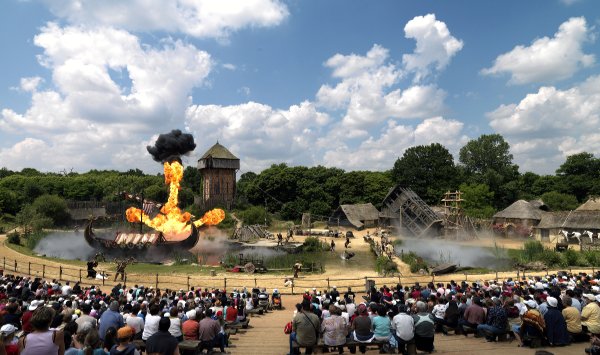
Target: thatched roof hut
359 215
593 204
520 209
575 220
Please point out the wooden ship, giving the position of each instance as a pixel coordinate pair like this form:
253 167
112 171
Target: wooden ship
123 240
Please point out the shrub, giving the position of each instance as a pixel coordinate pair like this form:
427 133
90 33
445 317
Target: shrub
313 244
33 239
255 215
532 250
13 238
385 266
415 262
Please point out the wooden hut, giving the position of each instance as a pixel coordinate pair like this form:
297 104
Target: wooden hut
571 221
359 216
520 213
218 168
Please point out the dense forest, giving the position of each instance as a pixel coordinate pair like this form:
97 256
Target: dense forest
484 172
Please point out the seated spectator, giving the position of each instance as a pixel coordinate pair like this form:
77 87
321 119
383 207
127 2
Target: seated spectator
209 332
151 323
334 329
590 314
533 323
86 308
7 334
175 328
305 328
124 345
556 327
162 342
404 326
92 344
450 316
110 318
110 338
381 326
496 322
572 318
136 322
42 340
361 328
474 315
424 328
190 326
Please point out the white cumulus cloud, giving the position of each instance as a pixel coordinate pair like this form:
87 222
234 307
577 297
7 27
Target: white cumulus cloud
546 126
366 91
198 18
435 46
108 90
380 152
547 59
259 133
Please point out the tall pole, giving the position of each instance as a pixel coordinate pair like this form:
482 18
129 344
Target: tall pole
142 214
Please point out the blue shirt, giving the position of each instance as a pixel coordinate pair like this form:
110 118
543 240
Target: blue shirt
381 326
109 319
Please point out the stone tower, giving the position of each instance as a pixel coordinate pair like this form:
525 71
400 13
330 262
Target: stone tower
218 168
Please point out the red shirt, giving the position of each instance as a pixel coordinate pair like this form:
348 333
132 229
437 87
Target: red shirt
190 330
231 314
27 328
12 349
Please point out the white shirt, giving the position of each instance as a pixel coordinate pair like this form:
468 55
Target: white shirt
151 326
439 310
404 325
66 290
136 323
351 308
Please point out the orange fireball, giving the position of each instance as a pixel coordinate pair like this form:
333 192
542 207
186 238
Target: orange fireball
171 221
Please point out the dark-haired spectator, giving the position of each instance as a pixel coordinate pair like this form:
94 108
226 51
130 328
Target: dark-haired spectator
305 328
496 322
209 333
151 323
474 316
42 340
85 317
136 322
162 342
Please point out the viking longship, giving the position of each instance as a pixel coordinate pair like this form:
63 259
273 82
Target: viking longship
124 240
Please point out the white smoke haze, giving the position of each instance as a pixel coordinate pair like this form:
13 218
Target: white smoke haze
438 250
65 245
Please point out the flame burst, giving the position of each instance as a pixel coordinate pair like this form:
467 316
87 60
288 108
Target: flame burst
171 221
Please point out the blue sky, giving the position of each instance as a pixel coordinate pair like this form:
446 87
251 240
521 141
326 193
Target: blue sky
352 84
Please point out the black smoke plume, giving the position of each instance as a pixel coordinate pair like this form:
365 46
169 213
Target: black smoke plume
171 146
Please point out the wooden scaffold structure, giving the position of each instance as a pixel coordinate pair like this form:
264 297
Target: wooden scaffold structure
456 224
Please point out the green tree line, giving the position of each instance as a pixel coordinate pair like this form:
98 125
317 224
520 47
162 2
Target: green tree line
484 172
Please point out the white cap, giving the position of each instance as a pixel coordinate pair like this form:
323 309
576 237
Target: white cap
531 304
8 329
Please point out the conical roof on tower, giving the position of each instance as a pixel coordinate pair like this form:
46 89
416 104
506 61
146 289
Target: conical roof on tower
218 151
218 157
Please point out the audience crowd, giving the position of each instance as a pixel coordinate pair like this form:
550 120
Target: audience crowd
554 311
49 317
